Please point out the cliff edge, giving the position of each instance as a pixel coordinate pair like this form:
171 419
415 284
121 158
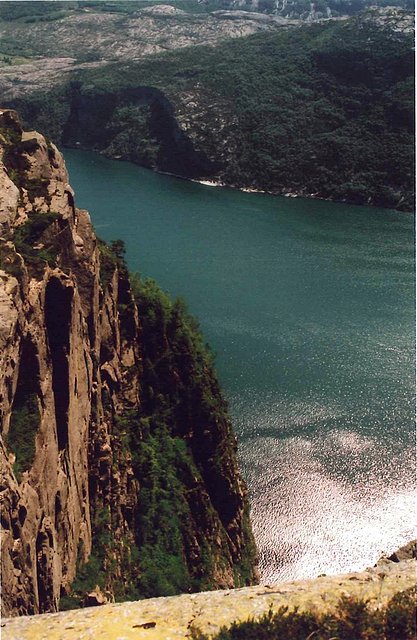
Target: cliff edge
119 472
201 615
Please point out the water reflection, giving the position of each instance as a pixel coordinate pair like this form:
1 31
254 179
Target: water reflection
310 309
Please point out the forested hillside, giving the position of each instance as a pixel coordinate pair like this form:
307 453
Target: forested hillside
325 110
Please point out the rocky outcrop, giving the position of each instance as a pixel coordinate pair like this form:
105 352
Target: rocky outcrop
70 372
137 124
177 617
407 552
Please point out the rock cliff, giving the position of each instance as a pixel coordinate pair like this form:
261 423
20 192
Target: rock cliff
119 473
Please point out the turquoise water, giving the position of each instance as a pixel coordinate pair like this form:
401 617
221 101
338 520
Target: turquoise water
309 306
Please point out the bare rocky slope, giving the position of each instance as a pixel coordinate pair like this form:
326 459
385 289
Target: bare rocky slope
34 56
113 426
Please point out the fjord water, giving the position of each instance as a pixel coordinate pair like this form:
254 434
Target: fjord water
309 307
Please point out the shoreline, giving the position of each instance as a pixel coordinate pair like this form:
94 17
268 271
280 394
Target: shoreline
287 194
219 184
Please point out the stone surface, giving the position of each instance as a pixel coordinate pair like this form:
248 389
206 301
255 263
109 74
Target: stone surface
46 514
174 617
9 196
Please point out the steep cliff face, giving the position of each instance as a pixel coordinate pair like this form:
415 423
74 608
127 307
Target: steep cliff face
138 124
97 434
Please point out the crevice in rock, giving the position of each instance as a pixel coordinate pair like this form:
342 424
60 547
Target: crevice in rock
58 310
106 352
91 329
25 416
22 515
28 379
44 572
58 510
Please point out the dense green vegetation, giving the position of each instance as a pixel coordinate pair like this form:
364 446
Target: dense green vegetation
31 241
324 110
170 455
354 620
29 11
320 110
24 423
131 135
164 520
181 449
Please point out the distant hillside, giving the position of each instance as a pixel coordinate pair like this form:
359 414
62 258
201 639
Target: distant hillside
41 43
305 9
29 11
324 110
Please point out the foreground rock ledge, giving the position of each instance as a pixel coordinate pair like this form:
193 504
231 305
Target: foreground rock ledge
174 617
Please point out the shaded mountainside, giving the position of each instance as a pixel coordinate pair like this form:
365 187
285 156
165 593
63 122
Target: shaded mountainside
325 110
119 473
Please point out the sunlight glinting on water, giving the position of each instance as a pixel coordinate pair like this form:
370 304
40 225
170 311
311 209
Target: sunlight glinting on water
310 309
309 521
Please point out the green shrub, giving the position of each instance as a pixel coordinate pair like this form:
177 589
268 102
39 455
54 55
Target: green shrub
36 188
108 263
31 233
24 423
353 619
163 441
111 258
400 619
